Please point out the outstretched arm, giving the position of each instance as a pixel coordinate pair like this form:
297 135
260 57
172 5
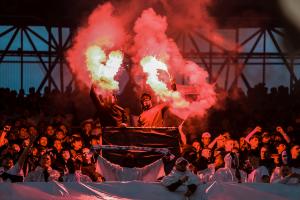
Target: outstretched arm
95 98
2 138
24 154
283 133
105 167
182 134
14 174
212 144
256 130
5 130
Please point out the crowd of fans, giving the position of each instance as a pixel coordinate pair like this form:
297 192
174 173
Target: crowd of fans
261 156
26 150
40 144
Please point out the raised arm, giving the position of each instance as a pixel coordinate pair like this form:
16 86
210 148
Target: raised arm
103 166
256 130
182 134
283 133
24 154
95 98
213 143
152 171
4 132
2 138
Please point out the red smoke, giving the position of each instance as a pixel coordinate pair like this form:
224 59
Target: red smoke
151 39
109 28
103 29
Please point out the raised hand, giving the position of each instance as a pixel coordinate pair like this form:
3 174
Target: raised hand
257 129
280 129
6 128
220 137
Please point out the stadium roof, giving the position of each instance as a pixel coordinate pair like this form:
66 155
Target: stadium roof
228 13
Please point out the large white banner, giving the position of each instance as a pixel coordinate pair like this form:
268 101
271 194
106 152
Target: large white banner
145 191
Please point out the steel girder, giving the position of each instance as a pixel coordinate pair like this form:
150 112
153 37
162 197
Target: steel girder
48 59
238 57
235 59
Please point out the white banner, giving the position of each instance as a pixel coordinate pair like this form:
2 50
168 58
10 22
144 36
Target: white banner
145 191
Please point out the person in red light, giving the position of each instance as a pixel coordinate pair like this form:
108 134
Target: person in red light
153 116
205 139
181 179
197 145
44 172
231 172
109 112
14 172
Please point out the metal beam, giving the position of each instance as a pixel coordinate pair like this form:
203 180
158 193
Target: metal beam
240 70
264 59
48 74
282 34
61 64
289 68
9 44
226 77
52 38
22 64
212 42
198 51
41 38
51 67
250 37
214 79
39 56
7 31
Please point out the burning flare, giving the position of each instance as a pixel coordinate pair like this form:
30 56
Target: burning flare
103 70
151 66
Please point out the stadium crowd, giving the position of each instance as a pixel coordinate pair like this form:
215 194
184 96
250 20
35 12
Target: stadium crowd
38 143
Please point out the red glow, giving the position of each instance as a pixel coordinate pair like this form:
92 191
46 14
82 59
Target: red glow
104 30
151 39
107 30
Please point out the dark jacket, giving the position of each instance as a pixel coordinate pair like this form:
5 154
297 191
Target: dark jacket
109 115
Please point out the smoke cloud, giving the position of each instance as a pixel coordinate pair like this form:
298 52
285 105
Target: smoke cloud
141 28
103 29
151 39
